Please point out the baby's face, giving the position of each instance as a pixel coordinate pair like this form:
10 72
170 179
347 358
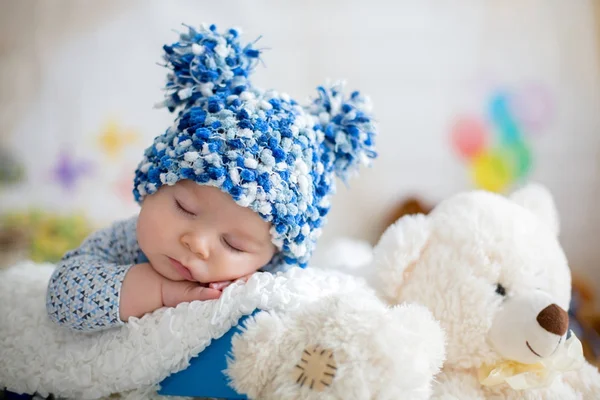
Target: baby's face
198 233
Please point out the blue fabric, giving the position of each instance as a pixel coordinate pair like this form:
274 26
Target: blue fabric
142 258
6 395
204 376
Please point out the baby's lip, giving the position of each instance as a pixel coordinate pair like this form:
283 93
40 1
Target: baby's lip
186 272
181 269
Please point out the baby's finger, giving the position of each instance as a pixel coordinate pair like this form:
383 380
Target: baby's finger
219 285
203 293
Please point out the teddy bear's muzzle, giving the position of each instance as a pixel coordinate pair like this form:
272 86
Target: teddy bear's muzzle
528 327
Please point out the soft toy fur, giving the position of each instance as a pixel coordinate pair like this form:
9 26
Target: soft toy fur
376 351
381 353
493 273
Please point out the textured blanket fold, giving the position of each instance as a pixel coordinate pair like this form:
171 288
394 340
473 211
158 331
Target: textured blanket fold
39 356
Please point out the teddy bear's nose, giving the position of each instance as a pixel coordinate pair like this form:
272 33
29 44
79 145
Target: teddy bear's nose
554 319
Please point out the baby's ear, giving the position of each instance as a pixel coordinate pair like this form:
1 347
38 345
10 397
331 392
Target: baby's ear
397 253
537 199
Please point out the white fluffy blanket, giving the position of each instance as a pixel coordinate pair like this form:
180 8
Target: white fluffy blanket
39 356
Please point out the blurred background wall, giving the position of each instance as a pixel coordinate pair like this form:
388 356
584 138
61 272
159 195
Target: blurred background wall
466 93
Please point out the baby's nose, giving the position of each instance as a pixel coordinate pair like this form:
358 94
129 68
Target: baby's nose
554 320
197 245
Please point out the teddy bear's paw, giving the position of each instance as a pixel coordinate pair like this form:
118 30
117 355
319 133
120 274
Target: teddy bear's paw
344 346
316 368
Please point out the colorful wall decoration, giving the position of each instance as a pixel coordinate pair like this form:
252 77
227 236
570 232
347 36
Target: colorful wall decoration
113 138
45 235
68 170
496 142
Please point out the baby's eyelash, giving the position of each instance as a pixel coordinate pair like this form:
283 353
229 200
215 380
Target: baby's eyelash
181 209
230 247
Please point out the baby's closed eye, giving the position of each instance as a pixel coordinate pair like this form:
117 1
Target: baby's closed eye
233 245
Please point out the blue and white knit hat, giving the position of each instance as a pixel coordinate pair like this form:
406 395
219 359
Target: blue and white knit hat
261 147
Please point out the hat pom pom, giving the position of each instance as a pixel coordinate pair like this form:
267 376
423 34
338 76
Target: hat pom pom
349 131
204 63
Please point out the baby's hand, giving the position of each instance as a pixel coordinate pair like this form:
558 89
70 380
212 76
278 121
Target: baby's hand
174 292
223 284
145 290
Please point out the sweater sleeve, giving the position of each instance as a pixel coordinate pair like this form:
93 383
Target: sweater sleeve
84 290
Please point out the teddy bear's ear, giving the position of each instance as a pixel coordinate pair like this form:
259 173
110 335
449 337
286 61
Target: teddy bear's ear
397 253
537 199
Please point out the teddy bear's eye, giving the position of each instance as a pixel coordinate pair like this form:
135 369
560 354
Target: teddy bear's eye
500 290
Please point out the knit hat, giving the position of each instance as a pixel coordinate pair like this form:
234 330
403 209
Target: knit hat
269 153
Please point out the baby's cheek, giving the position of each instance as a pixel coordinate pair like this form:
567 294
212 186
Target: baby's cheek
232 268
147 232
142 238
267 256
257 262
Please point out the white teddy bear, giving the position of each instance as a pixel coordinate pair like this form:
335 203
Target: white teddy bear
493 273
